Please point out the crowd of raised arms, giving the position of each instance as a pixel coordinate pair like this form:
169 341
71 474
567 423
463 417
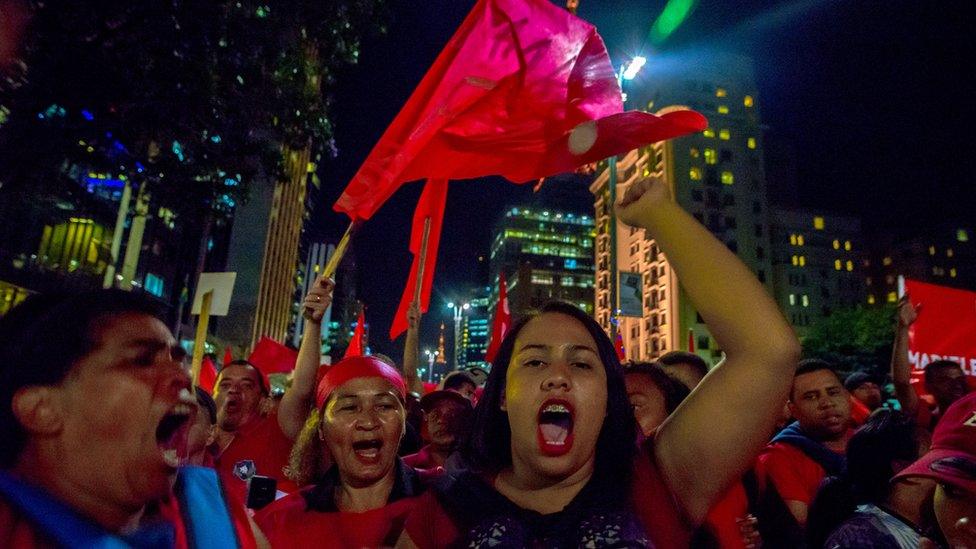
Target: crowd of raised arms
106 443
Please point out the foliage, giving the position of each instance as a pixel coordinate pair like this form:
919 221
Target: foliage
853 339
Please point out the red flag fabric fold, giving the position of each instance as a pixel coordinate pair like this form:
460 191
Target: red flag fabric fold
430 205
524 90
501 322
618 344
208 375
272 357
355 347
228 355
691 340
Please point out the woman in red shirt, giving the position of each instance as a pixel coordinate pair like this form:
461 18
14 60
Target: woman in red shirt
552 462
361 491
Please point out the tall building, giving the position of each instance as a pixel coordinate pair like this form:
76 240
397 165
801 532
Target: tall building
545 254
717 175
944 254
818 265
475 330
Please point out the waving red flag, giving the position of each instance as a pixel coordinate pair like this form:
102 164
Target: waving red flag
504 97
618 345
228 355
431 205
501 322
272 357
208 375
356 347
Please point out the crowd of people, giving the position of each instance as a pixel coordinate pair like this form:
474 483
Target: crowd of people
106 443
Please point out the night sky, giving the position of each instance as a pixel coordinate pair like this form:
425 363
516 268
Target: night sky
874 99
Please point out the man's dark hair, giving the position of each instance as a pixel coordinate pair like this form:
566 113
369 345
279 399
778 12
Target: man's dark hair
265 390
457 379
937 365
204 399
810 365
696 362
673 390
40 341
489 447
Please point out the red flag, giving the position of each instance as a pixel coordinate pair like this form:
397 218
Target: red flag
208 375
945 326
430 205
502 320
355 347
618 344
523 89
272 357
228 355
691 340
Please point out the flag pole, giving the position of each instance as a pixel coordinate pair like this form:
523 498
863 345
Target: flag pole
418 287
333 264
201 336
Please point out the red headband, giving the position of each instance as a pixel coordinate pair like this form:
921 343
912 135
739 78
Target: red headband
354 367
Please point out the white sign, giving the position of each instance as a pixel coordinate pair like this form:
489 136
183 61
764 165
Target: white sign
222 285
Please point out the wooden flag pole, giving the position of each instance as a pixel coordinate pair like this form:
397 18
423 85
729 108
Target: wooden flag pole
419 286
201 337
332 265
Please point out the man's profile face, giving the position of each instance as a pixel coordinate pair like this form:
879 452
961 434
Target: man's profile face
868 393
238 395
947 385
820 403
444 422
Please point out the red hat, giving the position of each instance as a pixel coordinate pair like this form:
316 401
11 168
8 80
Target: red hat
355 367
952 457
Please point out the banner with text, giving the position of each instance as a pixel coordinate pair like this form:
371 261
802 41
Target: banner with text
945 328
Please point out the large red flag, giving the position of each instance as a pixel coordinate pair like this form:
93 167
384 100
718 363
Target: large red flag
208 375
504 97
502 320
431 205
272 357
355 347
945 327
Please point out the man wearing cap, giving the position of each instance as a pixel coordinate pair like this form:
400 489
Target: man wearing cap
461 383
254 443
446 414
357 491
951 462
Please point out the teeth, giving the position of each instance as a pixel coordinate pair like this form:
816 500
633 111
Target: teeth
171 458
556 408
186 395
181 410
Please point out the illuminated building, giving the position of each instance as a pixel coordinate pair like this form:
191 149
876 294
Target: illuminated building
943 254
545 254
475 330
818 264
718 176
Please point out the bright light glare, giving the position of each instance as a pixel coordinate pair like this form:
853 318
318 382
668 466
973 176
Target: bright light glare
634 67
450 305
466 306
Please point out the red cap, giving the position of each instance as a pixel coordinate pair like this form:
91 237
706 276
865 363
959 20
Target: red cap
356 367
952 457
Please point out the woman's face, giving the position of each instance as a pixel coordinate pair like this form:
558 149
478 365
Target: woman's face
955 509
555 396
362 424
647 401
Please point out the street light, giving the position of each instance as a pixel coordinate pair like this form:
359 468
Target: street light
431 355
458 308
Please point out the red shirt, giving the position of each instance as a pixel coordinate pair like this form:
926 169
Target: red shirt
262 442
795 475
721 518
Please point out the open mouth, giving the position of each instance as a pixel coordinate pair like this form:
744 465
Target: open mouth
555 432
368 451
172 431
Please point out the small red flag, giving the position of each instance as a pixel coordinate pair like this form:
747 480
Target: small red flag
691 340
430 205
355 347
501 322
208 375
272 357
228 355
619 346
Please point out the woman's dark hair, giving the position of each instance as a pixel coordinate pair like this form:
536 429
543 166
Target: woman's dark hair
673 390
42 338
488 449
204 399
886 438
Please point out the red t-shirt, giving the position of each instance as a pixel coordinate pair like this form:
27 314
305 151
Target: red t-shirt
430 526
262 442
795 475
722 517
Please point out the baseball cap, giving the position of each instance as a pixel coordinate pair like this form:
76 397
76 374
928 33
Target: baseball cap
430 400
857 379
952 457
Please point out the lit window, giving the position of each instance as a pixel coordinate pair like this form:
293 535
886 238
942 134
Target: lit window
870 299
710 156
931 250
949 252
836 244
847 245
792 299
850 265
799 240
723 109
806 300
886 261
818 223
892 297
952 272
724 134
962 235
837 265
695 174
803 261
709 132
694 152
720 92
747 101
751 142
793 239
795 260
728 178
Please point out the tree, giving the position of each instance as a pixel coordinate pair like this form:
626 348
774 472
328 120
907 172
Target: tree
854 339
